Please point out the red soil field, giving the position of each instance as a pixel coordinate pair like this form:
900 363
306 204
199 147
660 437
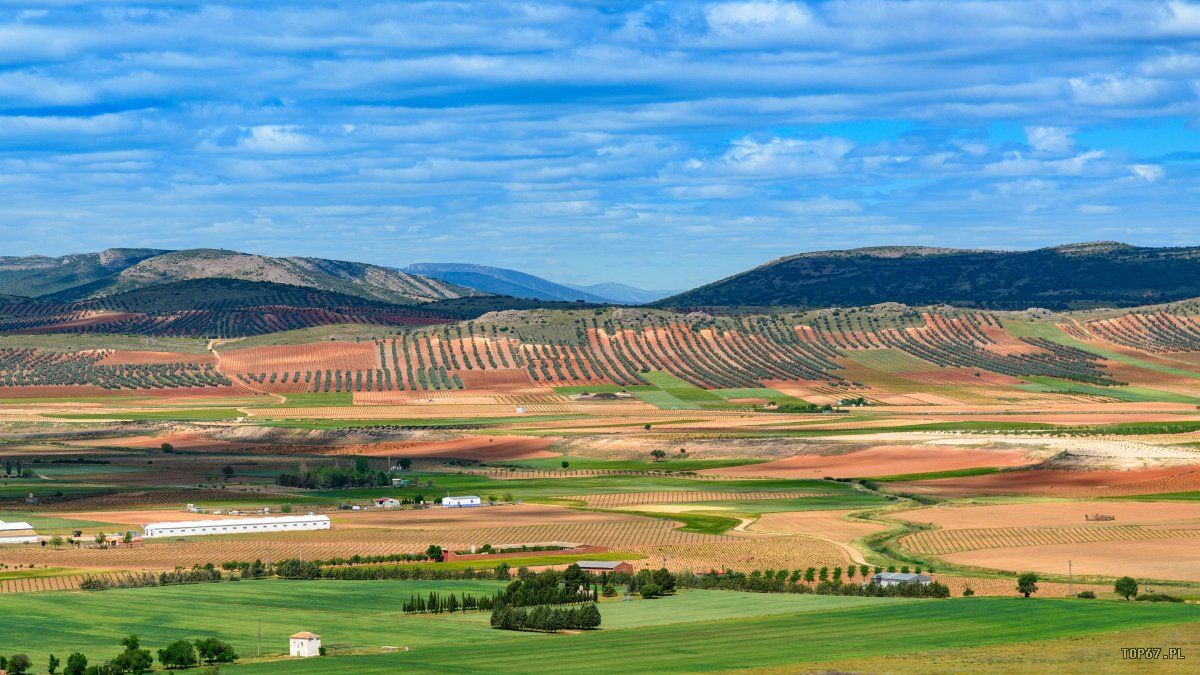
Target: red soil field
490 448
181 441
290 358
1080 484
884 460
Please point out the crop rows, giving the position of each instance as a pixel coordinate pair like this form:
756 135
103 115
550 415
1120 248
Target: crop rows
617 500
42 584
743 554
1151 331
968 342
32 367
938 542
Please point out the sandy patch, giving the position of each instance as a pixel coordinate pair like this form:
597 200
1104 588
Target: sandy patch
882 460
824 524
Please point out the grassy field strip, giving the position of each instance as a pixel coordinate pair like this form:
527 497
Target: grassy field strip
1128 393
798 638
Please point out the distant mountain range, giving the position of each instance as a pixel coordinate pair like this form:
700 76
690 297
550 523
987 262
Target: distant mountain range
502 281
115 271
1075 276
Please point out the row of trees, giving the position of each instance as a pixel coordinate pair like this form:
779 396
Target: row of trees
546 618
132 659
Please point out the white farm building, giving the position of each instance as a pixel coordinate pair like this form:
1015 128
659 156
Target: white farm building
17 533
305 645
192 528
465 500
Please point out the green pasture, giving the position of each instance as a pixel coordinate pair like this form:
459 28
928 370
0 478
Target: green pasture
1193 496
51 524
701 638
1128 393
317 400
760 392
935 475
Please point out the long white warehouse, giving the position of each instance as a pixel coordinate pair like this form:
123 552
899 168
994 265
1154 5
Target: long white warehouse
17 533
192 528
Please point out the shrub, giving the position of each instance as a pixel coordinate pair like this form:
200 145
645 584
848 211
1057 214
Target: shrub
1087 595
1157 597
652 591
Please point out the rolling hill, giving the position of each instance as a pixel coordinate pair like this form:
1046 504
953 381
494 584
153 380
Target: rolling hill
1076 276
92 275
623 293
35 275
502 281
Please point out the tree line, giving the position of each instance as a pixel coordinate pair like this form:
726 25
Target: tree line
132 659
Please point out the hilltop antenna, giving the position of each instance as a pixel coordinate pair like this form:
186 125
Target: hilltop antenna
1070 581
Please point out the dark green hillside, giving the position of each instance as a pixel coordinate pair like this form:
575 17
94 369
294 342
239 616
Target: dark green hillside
1076 276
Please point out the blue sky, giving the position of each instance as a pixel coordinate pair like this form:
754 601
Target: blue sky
663 144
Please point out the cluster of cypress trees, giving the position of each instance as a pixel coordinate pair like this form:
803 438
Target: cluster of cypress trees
436 603
545 618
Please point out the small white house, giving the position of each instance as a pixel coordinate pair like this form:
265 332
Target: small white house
387 503
305 644
465 500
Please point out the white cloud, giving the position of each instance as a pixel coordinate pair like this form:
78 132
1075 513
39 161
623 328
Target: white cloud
1049 140
758 15
275 138
1150 173
1098 209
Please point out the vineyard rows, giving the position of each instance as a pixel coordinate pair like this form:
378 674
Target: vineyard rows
1151 331
37 585
939 542
617 500
743 554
